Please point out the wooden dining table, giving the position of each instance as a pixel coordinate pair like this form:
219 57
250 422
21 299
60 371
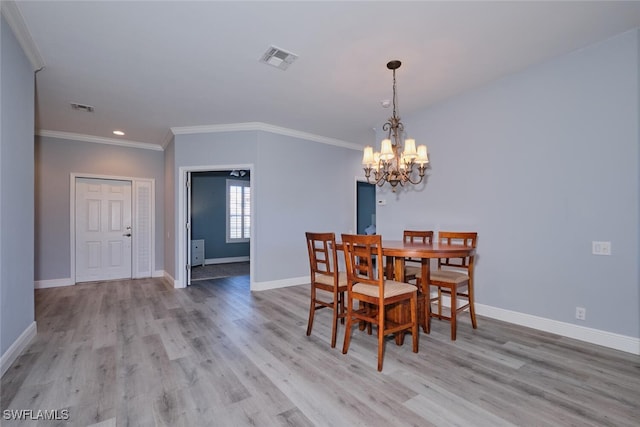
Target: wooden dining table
396 252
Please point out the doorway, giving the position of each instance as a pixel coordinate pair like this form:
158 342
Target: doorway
187 212
365 208
220 224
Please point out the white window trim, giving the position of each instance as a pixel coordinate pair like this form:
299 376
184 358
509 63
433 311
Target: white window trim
234 183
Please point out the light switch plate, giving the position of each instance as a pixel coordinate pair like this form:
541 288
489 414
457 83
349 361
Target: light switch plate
601 248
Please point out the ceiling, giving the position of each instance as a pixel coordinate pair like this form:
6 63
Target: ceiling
151 66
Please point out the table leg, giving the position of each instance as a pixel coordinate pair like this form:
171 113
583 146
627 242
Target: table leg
399 311
389 268
425 291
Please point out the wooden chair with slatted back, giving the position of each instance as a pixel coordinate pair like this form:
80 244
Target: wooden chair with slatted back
325 277
454 277
412 266
366 284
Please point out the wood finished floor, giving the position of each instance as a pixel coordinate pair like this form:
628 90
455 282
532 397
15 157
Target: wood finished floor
137 353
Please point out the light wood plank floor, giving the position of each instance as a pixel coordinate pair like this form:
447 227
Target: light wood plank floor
137 353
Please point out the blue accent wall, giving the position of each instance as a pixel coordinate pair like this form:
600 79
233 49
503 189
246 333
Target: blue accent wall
208 214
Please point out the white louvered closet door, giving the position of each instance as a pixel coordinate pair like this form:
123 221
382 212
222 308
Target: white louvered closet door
143 229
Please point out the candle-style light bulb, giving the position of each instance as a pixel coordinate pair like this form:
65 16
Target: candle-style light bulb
386 153
423 156
367 157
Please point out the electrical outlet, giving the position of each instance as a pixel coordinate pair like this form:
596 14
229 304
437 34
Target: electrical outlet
601 248
581 313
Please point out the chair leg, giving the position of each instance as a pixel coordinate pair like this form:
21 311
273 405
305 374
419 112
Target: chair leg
334 326
369 312
347 331
312 310
381 319
454 312
472 307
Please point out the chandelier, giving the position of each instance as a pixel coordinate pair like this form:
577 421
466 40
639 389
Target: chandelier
392 164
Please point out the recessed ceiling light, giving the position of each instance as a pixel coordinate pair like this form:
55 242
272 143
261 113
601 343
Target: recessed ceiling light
118 132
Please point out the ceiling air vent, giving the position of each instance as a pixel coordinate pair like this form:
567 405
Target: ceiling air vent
82 107
278 58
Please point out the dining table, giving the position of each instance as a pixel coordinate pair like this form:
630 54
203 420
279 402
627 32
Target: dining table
396 252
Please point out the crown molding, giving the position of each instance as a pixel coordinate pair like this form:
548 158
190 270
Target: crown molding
167 139
98 140
14 18
232 127
265 127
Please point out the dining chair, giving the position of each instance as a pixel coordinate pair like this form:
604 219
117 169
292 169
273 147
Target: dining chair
367 285
454 277
325 277
413 265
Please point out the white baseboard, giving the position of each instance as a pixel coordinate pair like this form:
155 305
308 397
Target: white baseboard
226 260
274 284
18 346
53 283
171 281
590 335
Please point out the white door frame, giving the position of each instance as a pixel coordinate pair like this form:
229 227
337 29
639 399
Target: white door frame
134 241
181 233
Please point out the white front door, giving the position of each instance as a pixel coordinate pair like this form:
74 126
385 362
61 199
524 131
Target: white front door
103 229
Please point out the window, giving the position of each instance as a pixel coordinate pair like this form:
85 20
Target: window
238 211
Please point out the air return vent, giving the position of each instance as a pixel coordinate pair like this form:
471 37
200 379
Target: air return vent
82 107
278 58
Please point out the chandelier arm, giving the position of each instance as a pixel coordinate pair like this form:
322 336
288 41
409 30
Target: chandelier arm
415 182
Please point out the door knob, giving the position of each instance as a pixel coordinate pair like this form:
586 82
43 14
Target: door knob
127 235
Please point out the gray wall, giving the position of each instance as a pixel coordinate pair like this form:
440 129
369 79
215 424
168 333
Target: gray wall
297 185
55 160
16 190
209 214
541 163
300 186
